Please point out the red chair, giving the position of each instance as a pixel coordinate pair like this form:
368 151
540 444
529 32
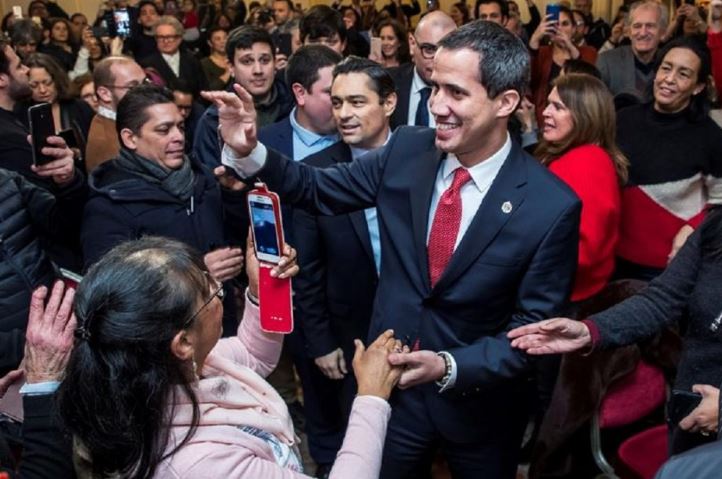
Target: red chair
644 453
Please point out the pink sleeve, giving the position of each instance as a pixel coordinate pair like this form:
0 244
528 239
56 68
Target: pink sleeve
252 347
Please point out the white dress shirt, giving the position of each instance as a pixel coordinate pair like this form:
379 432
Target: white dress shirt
173 62
417 84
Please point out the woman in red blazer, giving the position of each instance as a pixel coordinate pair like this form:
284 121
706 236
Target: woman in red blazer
579 146
548 59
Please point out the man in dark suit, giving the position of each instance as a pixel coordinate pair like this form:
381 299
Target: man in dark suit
413 80
173 62
339 255
476 237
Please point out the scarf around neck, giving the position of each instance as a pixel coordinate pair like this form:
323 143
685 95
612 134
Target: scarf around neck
178 183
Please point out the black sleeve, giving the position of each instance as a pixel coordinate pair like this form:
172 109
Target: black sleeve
56 10
47 451
12 349
534 21
662 303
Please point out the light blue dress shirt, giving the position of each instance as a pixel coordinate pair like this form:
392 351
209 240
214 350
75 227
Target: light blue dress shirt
306 142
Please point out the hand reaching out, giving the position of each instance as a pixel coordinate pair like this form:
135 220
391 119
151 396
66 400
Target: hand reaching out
552 336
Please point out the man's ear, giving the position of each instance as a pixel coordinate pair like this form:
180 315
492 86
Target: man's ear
412 43
507 102
182 345
390 104
129 139
104 94
299 93
4 80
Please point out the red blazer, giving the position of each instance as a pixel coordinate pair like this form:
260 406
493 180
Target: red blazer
590 172
541 69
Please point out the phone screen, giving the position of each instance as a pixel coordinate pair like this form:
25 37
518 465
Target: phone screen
40 119
265 233
122 22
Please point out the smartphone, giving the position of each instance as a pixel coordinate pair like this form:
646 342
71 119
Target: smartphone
17 11
121 18
553 10
376 53
681 404
42 125
284 44
266 226
274 299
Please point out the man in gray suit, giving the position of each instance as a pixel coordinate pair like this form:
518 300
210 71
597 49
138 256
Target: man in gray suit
629 69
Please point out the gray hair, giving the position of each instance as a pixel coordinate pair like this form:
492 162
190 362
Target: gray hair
661 9
503 58
172 21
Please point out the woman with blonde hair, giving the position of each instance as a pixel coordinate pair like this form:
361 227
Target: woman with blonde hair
578 145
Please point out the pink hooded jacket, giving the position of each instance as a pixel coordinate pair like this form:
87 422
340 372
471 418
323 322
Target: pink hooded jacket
233 393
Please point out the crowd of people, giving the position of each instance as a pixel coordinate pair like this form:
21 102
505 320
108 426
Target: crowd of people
456 187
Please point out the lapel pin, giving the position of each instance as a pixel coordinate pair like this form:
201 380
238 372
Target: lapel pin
506 207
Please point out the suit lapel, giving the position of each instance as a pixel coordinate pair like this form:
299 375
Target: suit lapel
501 202
421 190
357 218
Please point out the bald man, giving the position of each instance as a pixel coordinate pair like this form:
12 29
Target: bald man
413 80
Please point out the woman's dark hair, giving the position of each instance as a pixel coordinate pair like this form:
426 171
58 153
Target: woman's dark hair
357 23
122 377
402 55
464 9
56 72
4 26
132 109
700 103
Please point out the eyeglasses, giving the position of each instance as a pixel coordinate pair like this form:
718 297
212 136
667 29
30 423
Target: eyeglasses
428 50
130 85
167 38
218 293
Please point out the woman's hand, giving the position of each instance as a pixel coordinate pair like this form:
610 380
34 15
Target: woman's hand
374 374
705 417
617 32
286 268
547 27
552 336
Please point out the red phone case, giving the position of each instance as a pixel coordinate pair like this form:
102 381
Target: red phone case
274 298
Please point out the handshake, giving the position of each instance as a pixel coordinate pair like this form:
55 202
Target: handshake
387 363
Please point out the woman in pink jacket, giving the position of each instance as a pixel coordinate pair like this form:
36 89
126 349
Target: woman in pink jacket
151 391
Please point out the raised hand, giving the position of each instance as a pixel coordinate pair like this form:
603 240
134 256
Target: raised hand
547 27
552 336
236 117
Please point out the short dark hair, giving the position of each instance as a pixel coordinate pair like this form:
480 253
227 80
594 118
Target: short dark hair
304 64
380 79
243 38
322 21
56 72
503 58
148 2
289 3
26 31
503 7
133 108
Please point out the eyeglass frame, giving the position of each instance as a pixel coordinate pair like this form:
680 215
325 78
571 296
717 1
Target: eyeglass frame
146 81
167 38
422 46
218 293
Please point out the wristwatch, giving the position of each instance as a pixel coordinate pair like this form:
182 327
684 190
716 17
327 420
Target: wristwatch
447 371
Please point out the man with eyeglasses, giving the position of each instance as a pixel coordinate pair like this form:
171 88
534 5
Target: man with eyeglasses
113 77
412 80
172 61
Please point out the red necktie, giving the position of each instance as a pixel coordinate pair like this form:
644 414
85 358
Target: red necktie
445 227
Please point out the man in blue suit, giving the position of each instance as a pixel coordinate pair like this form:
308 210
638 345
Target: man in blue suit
476 238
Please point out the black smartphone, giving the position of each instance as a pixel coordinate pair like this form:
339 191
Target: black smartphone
681 404
284 44
42 125
71 139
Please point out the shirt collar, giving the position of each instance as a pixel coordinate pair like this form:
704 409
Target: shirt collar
417 84
308 137
106 112
175 56
482 174
357 152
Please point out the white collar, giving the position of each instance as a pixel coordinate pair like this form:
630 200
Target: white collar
417 83
482 173
106 112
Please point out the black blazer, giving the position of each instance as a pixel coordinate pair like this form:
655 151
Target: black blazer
403 76
190 70
335 289
514 266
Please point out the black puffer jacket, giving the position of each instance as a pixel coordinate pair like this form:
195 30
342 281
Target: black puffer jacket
29 213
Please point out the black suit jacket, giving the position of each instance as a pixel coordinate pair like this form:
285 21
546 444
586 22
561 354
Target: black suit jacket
190 70
403 77
514 266
334 291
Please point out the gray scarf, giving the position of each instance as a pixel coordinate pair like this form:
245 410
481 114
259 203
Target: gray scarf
178 183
